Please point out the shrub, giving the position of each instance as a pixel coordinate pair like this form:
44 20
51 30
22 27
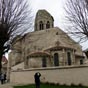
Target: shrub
80 85
72 84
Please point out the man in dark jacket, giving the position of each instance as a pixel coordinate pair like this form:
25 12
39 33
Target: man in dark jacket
37 79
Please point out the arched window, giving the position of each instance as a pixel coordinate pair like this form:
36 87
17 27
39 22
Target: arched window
44 62
48 25
69 58
27 62
41 26
56 59
81 61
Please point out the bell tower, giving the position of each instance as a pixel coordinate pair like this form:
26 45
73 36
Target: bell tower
43 20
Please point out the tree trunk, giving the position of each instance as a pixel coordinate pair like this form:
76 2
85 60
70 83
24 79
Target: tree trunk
1 53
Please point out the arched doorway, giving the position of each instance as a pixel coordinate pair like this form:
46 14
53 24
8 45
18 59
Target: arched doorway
56 59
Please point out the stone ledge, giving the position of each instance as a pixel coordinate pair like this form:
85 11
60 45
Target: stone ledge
51 68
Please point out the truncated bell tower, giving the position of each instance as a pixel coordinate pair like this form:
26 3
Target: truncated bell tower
43 20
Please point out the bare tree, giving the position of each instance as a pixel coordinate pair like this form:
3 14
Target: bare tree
15 19
77 18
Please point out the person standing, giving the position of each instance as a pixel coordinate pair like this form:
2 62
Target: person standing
37 79
2 78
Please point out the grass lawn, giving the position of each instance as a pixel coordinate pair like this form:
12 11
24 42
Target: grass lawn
49 86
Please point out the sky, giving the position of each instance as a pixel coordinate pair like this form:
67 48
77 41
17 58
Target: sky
56 9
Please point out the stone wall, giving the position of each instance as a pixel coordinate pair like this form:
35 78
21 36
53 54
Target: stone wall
63 75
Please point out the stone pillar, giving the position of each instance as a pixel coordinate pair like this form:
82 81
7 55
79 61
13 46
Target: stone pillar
64 60
44 22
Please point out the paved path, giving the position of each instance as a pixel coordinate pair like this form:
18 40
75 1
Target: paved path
6 86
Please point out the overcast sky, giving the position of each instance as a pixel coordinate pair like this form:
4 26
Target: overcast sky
56 9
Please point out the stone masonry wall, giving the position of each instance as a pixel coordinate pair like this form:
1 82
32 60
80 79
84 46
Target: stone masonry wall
63 75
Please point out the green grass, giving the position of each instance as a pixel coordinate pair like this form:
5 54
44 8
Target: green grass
50 86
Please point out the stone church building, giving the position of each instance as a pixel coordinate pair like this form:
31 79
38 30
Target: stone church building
46 46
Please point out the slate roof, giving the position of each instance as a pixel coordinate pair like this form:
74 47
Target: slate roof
51 38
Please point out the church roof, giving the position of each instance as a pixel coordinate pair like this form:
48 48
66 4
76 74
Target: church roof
43 13
4 62
59 48
81 56
51 38
39 53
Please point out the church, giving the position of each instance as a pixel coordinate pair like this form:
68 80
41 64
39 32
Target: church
46 46
48 50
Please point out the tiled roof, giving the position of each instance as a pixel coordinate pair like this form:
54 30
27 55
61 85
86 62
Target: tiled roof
39 53
4 60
